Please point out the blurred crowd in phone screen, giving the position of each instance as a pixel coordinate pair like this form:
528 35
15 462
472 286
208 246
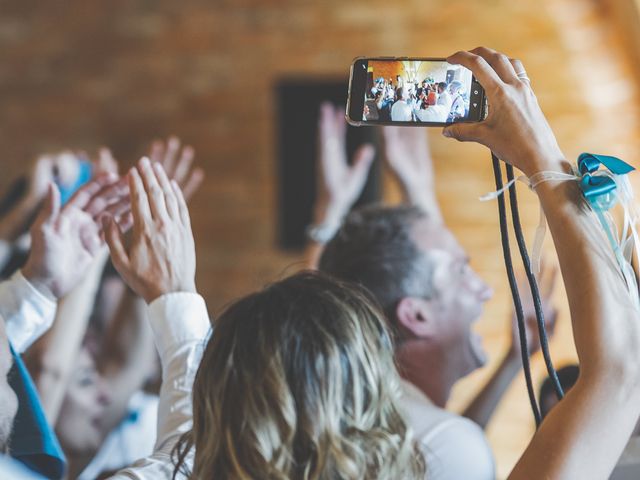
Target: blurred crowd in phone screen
405 101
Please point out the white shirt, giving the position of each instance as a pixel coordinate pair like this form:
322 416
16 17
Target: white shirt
401 111
180 326
434 113
454 447
445 100
27 313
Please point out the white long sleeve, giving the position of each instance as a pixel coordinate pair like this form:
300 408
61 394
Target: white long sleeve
27 313
181 328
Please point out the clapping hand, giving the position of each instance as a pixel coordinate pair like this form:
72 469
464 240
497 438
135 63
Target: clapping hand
65 241
340 184
177 162
161 257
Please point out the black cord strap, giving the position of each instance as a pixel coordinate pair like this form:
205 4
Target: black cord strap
524 349
533 284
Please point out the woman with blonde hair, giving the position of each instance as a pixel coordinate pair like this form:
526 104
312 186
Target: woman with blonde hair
298 381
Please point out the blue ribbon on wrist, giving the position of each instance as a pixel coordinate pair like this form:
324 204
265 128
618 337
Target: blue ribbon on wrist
599 190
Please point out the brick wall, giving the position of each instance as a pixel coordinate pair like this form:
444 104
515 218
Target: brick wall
86 73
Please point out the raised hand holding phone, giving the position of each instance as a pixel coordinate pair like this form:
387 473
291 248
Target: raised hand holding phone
600 411
515 129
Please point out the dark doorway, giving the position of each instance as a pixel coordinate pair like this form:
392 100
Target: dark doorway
299 103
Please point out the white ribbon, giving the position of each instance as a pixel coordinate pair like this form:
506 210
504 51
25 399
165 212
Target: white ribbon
624 245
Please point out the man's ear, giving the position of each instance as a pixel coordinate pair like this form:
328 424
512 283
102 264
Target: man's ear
415 315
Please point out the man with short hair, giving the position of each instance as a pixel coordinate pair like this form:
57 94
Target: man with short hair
444 99
421 277
458 107
401 111
64 243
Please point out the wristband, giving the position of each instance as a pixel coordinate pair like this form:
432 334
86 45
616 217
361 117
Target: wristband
322 233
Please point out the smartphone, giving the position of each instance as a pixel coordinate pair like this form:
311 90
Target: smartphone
413 92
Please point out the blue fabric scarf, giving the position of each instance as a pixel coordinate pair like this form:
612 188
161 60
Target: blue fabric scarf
33 441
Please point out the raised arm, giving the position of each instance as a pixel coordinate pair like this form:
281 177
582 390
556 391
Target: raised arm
339 183
52 357
585 434
160 266
64 243
407 153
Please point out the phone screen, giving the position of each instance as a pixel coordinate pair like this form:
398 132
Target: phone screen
413 91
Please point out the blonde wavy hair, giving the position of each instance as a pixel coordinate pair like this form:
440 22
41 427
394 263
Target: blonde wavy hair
298 382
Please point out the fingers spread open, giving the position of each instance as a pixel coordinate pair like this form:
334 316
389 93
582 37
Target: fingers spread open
152 188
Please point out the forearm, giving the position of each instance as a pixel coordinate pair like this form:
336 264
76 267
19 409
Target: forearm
595 288
484 404
128 356
52 358
426 199
599 412
180 327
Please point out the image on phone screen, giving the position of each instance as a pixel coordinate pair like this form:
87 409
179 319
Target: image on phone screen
414 91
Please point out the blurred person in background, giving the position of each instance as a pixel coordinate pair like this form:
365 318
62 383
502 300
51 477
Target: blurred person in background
402 110
444 98
93 364
458 107
65 241
419 273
